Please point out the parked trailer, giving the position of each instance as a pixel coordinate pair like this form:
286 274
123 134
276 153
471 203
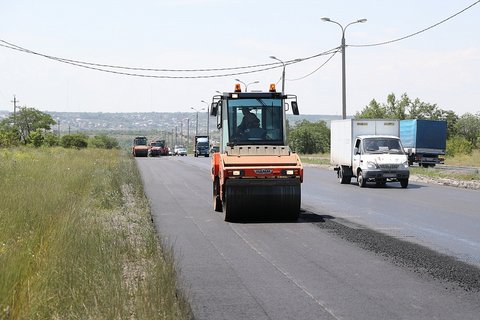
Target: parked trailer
424 141
369 150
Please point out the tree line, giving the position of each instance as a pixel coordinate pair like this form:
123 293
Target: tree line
463 132
32 127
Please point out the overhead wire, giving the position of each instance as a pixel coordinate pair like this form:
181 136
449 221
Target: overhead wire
418 32
101 67
321 66
256 68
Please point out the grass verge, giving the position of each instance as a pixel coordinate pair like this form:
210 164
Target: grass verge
77 241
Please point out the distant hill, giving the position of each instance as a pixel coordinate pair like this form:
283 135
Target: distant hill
156 121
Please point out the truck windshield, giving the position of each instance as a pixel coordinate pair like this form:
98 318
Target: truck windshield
382 145
255 121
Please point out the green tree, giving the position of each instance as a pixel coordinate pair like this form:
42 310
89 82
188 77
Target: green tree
103 142
458 145
424 110
35 138
28 120
78 141
9 137
51 139
397 109
405 108
373 111
452 119
307 137
468 125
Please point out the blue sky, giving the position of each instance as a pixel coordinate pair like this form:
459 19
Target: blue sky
440 66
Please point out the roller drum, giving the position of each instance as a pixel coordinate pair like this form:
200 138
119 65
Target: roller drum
247 199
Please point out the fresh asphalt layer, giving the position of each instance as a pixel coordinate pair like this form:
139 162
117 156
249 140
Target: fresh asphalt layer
353 254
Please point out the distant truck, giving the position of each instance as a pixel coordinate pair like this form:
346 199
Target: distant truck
424 141
201 146
369 150
158 148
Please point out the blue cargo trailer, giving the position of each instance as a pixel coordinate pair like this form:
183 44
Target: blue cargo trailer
424 141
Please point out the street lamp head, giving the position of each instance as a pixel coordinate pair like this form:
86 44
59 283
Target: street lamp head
326 19
273 57
362 20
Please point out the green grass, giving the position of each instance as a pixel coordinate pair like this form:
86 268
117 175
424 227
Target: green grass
77 242
472 160
317 158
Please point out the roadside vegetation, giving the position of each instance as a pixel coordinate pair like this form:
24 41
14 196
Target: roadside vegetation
77 241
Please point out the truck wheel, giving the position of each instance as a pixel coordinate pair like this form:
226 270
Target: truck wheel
404 183
231 214
361 180
217 202
342 178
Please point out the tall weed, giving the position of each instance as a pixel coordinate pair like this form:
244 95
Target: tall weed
77 242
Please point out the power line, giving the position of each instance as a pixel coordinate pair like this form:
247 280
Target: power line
76 62
101 67
415 33
256 68
309 74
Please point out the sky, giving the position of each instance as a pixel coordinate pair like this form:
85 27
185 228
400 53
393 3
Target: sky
439 66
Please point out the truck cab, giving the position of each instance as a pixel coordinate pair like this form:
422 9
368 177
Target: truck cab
379 158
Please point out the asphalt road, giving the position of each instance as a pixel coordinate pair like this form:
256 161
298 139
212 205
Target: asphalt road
372 253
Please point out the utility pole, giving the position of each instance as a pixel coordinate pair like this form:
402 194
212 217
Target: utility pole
15 109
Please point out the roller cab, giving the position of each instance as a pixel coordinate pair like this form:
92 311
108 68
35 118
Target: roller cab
140 147
255 175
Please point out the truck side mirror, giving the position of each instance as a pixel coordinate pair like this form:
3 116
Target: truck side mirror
214 109
355 151
295 108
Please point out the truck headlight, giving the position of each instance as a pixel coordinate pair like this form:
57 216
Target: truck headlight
371 165
404 165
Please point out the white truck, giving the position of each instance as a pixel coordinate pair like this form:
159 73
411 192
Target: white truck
369 150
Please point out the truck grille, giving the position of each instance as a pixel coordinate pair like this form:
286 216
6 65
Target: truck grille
388 166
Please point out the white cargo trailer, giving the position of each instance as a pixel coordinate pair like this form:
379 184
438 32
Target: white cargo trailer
369 150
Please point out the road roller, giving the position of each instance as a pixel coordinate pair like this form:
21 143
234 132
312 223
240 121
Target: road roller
255 174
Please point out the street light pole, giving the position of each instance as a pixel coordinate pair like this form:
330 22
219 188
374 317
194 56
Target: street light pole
196 124
344 84
246 85
283 72
208 119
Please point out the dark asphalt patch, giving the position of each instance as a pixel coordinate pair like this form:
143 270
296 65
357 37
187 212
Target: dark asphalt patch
418 258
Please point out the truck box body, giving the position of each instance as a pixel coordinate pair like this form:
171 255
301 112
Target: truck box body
424 136
343 133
